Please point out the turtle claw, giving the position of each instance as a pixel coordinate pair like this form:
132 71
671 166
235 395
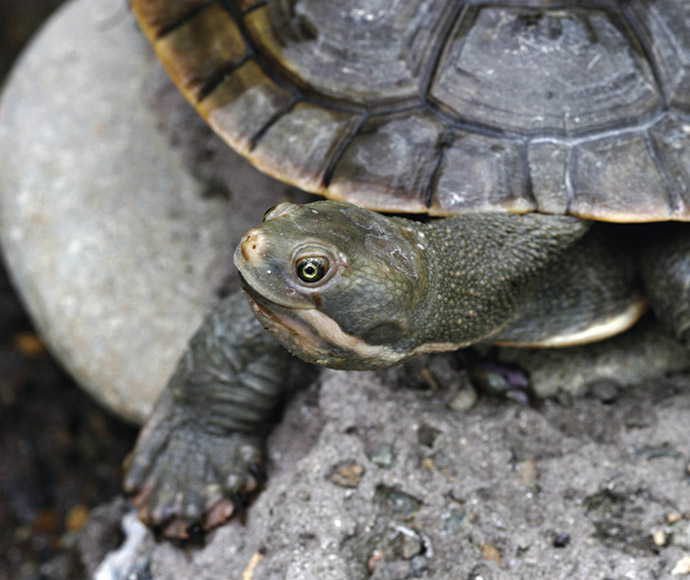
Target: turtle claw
184 528
175 498
220 513
178 529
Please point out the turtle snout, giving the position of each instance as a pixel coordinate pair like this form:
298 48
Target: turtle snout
253 247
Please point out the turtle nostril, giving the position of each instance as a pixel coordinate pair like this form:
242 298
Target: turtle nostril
251 247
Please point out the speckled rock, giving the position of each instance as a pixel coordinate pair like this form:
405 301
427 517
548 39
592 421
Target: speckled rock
116 245
457 505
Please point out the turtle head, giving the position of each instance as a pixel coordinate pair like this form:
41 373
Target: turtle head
336 284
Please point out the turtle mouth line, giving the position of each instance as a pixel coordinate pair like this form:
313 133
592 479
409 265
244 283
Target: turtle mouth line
281 318
316 338
259 302
258 299
267 304
289 326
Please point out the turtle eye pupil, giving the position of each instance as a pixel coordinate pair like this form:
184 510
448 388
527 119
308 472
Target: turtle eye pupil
312 269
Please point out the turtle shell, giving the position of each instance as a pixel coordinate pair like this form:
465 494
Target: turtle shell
446 106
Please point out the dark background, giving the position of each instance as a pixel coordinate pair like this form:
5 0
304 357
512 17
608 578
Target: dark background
60 453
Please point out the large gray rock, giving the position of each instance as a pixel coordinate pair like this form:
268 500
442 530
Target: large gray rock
115 245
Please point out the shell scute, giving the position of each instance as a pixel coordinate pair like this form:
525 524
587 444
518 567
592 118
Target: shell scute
390 162
535 71
301 144
243 104
199 51
617 179
671 140
483 174
667 26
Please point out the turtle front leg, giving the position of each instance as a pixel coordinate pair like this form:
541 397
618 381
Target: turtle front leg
200 454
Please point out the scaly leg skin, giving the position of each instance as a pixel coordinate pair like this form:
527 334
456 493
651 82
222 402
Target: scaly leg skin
201 451
643 353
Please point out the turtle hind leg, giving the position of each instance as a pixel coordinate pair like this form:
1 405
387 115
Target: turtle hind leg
643 353
665 268
591 292
593 280
198 459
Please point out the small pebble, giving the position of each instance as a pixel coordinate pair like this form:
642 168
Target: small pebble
682 566
659 538
411 546
455 520
402 504
348 475
428 464
561 540
673 517
464 400
493 382
490 553
651 452
527 472
376 557
383 456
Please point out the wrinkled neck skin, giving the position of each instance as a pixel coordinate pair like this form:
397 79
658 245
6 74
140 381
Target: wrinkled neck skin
481 268
395 287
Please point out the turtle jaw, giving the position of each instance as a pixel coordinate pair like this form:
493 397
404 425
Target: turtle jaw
289 328
316 338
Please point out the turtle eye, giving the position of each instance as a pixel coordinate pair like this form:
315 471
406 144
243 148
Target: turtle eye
279 209
268 211
312 268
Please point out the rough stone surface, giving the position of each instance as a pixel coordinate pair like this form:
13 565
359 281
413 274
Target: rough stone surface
576 489
116 245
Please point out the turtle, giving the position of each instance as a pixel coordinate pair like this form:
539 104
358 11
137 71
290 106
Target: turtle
512 173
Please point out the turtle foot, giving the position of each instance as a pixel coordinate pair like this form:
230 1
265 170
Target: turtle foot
185 480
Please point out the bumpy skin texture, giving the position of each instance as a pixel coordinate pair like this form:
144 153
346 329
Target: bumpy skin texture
200 454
